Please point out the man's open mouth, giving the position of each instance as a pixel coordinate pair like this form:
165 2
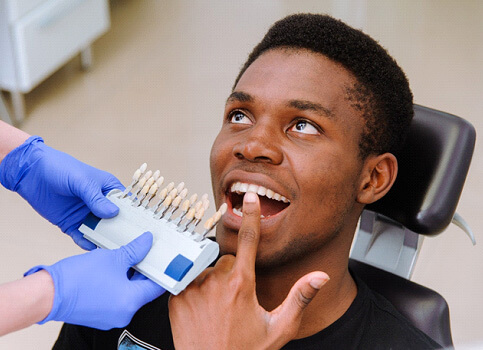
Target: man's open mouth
271 202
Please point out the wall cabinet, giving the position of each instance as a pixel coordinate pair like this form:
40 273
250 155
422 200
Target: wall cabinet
37 37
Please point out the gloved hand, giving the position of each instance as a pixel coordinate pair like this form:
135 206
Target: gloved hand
94 290
59 187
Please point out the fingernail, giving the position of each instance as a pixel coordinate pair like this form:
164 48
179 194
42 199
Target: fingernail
318 282
250 197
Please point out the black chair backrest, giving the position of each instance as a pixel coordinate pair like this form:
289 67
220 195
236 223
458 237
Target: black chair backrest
432 170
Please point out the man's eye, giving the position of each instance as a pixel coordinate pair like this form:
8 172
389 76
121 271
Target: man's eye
238 117
304 127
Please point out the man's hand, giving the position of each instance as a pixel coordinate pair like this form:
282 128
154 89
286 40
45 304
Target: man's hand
59 187
220 309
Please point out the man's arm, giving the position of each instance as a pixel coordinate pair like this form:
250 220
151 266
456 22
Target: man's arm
220 310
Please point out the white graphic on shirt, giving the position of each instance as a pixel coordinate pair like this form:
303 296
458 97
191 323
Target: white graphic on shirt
129 342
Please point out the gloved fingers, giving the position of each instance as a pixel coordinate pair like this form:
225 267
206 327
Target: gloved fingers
101 206
92 190
112 183
82 242
137 276
135 251
147 290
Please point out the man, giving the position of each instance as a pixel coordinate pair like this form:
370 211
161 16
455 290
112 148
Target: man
311 126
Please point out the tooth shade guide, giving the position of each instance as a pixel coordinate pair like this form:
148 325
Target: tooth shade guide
168 242
165 203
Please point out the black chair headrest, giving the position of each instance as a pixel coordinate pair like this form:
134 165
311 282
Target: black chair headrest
432 170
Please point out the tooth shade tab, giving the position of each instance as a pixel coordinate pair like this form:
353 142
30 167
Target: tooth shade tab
223 208
150 181
193 198
183 193
208 224
160 181
156 175
217 216
162 194
185 206
180 187
136 175
153 189
198 205
173 193
176 201
143 167
147 175
170 186
199 214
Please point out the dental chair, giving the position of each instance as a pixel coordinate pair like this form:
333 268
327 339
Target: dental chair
432 170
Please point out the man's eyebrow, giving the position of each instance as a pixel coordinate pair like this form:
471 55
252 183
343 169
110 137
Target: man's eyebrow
311 106
240 97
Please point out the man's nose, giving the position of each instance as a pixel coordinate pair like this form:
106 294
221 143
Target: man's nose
259 145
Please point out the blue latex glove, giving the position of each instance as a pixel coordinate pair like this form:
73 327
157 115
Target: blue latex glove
94 289
59 187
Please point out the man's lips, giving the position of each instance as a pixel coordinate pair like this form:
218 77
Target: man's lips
271 202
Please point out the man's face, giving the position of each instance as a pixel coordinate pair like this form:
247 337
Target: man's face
289 133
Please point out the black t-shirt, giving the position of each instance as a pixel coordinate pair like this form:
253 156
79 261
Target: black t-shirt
371 322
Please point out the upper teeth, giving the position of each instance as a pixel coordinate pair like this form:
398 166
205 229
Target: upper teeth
240 187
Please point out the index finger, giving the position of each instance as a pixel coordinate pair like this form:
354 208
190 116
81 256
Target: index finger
249 234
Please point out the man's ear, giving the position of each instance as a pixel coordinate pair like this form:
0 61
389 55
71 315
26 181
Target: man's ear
377 177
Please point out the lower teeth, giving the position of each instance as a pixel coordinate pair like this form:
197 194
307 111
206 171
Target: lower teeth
240 213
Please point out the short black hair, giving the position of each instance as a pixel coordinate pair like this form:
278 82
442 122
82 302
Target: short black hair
382 90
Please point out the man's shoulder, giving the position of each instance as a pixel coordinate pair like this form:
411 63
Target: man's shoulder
389 326
371 322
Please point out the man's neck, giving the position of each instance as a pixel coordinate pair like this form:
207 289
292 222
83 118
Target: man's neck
330 303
